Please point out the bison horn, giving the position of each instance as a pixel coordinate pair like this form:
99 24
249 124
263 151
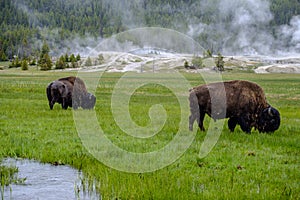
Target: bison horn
270 111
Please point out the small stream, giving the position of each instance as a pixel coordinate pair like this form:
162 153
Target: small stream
47 182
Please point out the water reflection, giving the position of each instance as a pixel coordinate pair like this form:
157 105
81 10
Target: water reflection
46 181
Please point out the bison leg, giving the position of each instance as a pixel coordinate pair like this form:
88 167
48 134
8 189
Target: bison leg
64 104
194 109
192 118
51 99
232 122
200 122
51 105
245 124
199 116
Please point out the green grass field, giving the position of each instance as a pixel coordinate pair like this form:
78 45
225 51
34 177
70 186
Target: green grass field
240 166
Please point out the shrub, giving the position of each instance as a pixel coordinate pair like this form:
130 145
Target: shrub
32 62
15 63
197 62
186 64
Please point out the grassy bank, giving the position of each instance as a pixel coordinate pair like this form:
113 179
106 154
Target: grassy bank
241 166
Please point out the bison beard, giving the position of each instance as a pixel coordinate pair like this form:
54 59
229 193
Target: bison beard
246 106
70 92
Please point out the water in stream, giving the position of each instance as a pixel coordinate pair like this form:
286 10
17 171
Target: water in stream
46 182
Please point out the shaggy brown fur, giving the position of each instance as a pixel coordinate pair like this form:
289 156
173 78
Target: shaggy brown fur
74 94
242 102
79 90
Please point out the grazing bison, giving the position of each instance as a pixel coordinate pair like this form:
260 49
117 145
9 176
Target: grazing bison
70 92
59 92
243 102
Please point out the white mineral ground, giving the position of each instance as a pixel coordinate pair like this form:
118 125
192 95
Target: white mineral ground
162 61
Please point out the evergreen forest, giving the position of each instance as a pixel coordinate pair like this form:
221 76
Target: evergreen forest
26 24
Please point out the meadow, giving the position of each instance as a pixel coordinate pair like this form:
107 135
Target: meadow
240 166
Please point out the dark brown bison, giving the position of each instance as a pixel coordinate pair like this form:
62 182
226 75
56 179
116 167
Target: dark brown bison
243 102
59 92
70 92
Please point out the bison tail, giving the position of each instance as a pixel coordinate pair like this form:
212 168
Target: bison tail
194 109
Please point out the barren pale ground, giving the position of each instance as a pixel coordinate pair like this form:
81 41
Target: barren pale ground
164 61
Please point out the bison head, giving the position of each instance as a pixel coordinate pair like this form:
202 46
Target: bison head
269 120
59 89
88 101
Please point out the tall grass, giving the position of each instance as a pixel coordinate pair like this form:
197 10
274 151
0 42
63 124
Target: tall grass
241 166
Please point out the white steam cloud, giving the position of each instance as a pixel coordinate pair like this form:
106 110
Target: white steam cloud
289 36
239 27
234 27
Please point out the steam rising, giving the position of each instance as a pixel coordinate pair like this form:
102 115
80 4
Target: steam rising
239 27
235 27
290 36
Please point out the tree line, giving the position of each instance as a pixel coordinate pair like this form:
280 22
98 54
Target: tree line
22 22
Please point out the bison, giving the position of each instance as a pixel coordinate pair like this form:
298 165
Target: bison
59 92
70 92
243 102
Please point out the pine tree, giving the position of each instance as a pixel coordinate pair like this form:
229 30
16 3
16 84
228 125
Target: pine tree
60 63
67 58
78 58
197 62
45 48
88 62
45 62
186 64
100 59
3 56
72 58
220 63
24 64
15 63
